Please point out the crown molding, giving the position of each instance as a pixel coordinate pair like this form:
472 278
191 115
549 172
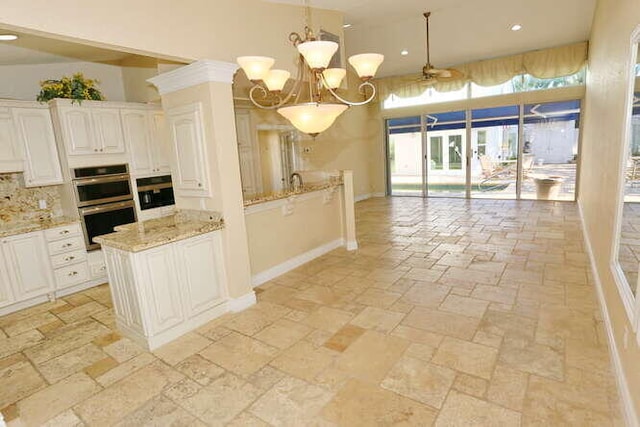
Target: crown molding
202 71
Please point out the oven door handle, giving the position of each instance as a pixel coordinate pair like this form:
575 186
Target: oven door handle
106 208
152 187
107 178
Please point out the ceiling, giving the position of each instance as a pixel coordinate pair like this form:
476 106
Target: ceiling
29 49
461 30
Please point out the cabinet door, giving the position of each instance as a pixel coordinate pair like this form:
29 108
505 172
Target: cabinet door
162 292
135 125
160 147
77 130
201 272
28 264
35 131
107 129
10 151
6 293
189 151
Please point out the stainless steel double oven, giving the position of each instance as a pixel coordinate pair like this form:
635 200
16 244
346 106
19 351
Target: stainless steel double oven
104 199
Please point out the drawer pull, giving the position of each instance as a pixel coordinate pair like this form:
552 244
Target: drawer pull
70 258
64 232
67 245
73 273
103 268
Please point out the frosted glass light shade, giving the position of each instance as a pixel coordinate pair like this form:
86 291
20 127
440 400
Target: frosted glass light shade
312 118
333 77
255 67
276 79
366 64
318 54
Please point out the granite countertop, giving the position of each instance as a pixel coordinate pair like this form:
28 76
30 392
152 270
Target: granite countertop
307 188
140 236
35 225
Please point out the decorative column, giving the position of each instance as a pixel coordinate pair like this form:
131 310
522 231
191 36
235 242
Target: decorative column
207 83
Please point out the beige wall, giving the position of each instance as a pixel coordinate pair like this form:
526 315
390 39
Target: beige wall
185 30
136 70
603 145
275 238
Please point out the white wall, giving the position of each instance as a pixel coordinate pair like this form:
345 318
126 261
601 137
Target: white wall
23 81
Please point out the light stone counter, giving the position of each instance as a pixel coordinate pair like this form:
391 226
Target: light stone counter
307 188
140 236
12 229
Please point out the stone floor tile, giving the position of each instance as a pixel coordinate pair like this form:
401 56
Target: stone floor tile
223 399
20 342
328 319
30 323
471 307
199 369
116 401
378 298
471 385
342 339
247 420
531 357
464 356
82 311
100 367
18 379
441 322
359 403
424 382
239 354
291 402
283 333
508 387
371 356
65 419
123 349
462 410
426 295
266 377
377 319
125 369
69 363
304 360
181 348
49 402
159 411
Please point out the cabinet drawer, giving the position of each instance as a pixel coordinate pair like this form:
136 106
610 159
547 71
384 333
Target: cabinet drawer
66 245
71 275
59 233
98 270
68 258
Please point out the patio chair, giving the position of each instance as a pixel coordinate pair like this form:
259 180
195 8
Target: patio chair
495 174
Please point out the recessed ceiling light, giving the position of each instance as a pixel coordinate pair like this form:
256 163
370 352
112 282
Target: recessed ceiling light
7 37
404 52
346 25
516 27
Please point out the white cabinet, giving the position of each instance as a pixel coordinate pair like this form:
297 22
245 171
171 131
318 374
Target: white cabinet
166 291
191 173
35 133
28 265
6 293
10 150
67 256
145 136
90 129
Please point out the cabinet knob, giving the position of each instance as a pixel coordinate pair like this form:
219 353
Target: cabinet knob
101 150
64 232
199 185
95 149
66 245
70 258
73 273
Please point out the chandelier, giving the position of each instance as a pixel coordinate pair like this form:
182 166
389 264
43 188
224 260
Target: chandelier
322 104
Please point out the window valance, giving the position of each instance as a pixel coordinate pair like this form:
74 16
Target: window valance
543 64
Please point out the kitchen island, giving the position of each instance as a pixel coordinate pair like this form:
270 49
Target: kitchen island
166 275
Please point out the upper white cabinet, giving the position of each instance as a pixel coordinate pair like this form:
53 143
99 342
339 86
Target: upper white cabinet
35 134
191 174
11 159
90 128
28 265
145 136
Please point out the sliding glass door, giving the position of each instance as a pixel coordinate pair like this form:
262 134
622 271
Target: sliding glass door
446 154
404 157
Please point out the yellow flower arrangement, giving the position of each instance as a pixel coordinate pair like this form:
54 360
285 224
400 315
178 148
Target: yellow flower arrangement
75 87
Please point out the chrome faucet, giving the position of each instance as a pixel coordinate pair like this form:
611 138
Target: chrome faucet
292 181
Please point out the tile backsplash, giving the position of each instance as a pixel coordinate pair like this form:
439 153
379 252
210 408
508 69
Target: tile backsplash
20 204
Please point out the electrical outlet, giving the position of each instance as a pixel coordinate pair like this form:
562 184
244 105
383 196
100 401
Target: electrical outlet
306 150
42 204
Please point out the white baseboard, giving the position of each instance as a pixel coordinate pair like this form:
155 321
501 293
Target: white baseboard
352 245
297 261
241 303
366 196
628 409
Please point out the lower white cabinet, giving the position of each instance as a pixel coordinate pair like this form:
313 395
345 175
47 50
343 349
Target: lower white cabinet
166 291
6 293
29 269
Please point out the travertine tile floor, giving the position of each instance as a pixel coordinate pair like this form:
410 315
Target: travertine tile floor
452 312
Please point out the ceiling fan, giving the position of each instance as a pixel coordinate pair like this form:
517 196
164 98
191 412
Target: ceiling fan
429 72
